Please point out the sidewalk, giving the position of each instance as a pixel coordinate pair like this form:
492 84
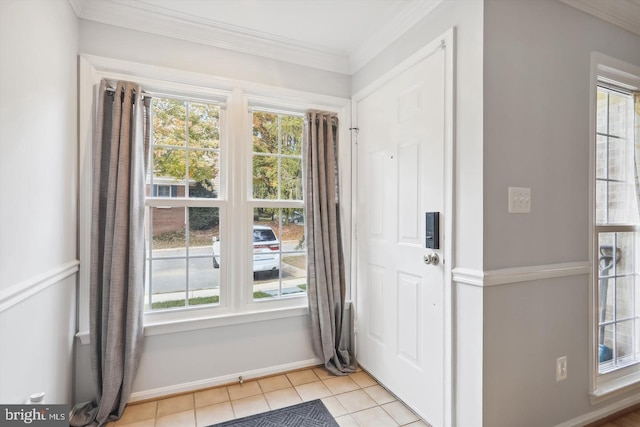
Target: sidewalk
289 286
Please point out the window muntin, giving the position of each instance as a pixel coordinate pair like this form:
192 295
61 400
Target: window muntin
279 265
617 233
181 224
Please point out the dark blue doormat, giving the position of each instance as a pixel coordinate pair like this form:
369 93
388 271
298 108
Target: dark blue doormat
307 414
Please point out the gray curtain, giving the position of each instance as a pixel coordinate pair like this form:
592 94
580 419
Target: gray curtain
326 272
120 148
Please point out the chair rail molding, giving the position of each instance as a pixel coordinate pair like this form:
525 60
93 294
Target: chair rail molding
506 276
34 285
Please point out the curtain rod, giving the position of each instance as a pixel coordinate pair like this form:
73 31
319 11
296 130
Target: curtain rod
113 89
195 99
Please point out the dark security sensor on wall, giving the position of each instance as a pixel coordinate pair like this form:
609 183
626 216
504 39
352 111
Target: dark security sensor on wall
432 230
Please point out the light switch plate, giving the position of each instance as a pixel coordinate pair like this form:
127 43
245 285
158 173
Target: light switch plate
519 200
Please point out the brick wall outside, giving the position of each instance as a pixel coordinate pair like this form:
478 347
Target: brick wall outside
168 219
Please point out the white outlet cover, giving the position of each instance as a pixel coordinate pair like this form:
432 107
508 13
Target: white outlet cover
519 200
561 368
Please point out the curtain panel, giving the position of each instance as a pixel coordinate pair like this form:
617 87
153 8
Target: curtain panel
120 146
325 261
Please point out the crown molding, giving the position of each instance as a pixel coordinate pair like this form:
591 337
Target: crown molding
156 20
150 18
396 27
622 13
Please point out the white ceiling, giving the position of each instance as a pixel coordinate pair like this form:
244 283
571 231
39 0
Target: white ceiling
334 35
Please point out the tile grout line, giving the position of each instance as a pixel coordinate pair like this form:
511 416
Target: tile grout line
320 380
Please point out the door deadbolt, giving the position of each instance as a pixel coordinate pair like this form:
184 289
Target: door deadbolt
431 259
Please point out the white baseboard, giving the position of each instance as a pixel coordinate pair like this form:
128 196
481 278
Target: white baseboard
601 413
218 381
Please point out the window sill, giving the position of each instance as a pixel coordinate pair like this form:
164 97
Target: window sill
194 323
614 387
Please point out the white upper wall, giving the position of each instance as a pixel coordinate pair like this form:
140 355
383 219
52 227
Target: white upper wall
466 16
38 138
135 46
38 183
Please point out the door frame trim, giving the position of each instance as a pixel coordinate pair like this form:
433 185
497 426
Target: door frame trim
446 41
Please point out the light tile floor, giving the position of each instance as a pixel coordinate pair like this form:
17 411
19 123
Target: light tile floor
354 400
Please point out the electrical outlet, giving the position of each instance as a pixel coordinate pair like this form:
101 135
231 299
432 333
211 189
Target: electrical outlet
561 368
519 200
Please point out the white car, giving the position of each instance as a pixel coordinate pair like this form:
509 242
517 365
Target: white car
266 250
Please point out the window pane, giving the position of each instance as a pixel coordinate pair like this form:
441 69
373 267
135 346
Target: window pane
606 346
624 297
624 340
204 126
181 263
204 277
617 159
204 181
292 135
279 253
606 291
621 206
294 216
167 283
601 202
625 243
169 165
291 179
169 122
277 165
601 110
265 133
618 108
168 231
265 177
601 157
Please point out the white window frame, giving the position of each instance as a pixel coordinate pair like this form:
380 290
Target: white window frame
172 201
237 305
603 386
253 203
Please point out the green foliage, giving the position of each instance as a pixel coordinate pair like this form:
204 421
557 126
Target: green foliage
174 120
275 136
201 218
260 294
215 299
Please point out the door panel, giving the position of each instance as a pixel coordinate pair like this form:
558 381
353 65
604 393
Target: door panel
400 304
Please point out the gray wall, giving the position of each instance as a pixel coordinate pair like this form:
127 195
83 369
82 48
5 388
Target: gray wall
38 178
536 134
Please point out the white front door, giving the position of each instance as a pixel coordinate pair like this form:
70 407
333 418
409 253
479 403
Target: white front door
401 302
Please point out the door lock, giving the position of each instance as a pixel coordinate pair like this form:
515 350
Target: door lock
431 259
